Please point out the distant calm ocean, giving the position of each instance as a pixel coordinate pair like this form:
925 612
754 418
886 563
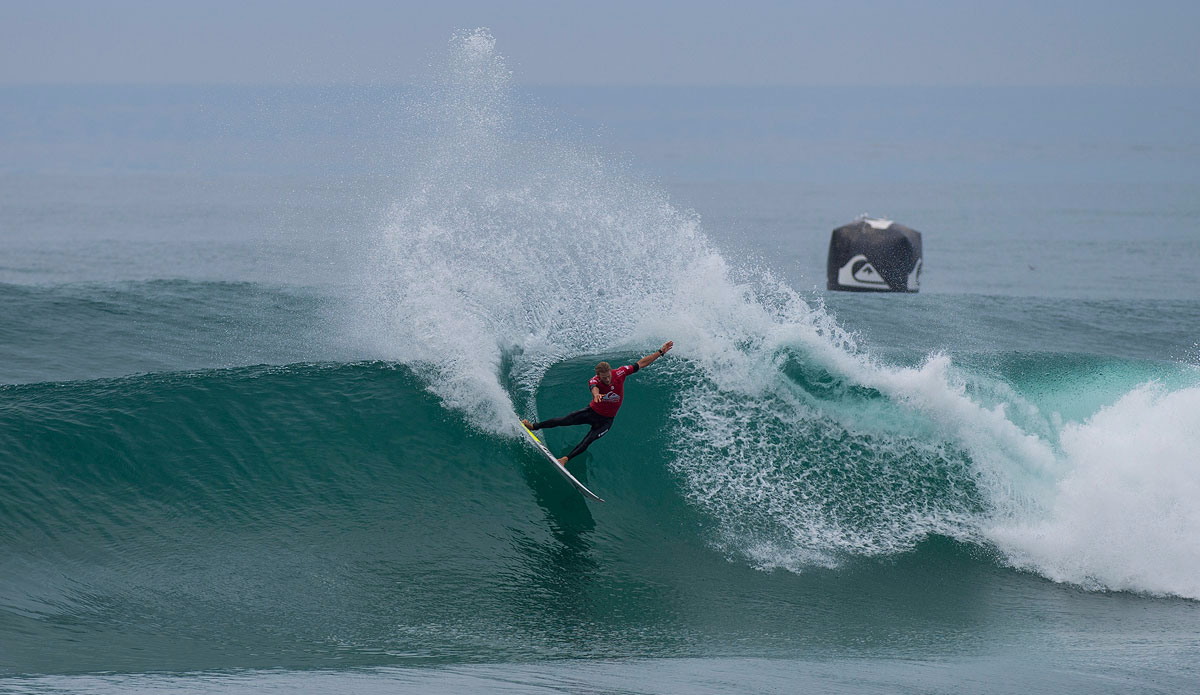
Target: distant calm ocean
262 351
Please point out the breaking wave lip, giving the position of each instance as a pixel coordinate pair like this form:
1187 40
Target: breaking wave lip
1105 503
504 253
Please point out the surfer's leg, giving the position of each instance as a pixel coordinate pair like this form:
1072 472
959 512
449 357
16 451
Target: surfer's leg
579 417
599 429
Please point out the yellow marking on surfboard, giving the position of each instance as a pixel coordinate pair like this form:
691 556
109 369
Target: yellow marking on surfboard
562 468
535 438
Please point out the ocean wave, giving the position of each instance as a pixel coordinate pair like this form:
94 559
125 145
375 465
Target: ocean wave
505 254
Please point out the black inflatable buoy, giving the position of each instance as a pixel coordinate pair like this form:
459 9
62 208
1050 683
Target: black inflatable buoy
874 255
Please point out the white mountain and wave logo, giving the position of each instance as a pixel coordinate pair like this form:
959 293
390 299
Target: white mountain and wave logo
861 275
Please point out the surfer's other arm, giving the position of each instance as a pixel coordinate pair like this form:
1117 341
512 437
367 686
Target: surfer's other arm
649 359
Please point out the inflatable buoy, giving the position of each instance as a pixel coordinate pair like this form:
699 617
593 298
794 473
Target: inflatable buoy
874 255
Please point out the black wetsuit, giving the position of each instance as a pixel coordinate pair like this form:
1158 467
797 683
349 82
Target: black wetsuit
587 416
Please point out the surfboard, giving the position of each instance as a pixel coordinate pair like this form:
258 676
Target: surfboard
559 467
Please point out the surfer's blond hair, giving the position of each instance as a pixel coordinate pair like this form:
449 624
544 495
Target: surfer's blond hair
603 367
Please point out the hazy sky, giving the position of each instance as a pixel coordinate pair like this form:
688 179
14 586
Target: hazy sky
853 42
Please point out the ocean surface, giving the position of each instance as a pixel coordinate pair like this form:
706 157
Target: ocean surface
263 350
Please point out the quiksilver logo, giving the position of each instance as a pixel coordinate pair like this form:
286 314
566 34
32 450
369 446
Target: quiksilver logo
858 272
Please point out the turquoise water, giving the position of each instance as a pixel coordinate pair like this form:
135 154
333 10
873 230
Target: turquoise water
262 351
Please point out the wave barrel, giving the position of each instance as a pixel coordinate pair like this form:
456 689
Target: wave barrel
874 255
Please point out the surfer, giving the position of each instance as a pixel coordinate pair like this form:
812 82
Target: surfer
608 391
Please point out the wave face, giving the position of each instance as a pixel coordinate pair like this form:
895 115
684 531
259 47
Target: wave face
772 472
339 514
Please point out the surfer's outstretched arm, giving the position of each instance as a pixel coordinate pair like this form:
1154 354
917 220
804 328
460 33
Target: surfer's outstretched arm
649 359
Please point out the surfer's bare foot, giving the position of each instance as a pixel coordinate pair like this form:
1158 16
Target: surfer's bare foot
527 423
563 462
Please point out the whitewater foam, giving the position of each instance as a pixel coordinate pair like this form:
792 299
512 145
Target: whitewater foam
1124 515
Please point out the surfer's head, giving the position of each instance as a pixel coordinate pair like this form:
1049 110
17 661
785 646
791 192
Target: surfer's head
604 371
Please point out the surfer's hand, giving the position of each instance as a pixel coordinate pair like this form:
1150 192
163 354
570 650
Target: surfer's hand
667 346
596 397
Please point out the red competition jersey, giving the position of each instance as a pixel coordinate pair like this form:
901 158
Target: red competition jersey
612 394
